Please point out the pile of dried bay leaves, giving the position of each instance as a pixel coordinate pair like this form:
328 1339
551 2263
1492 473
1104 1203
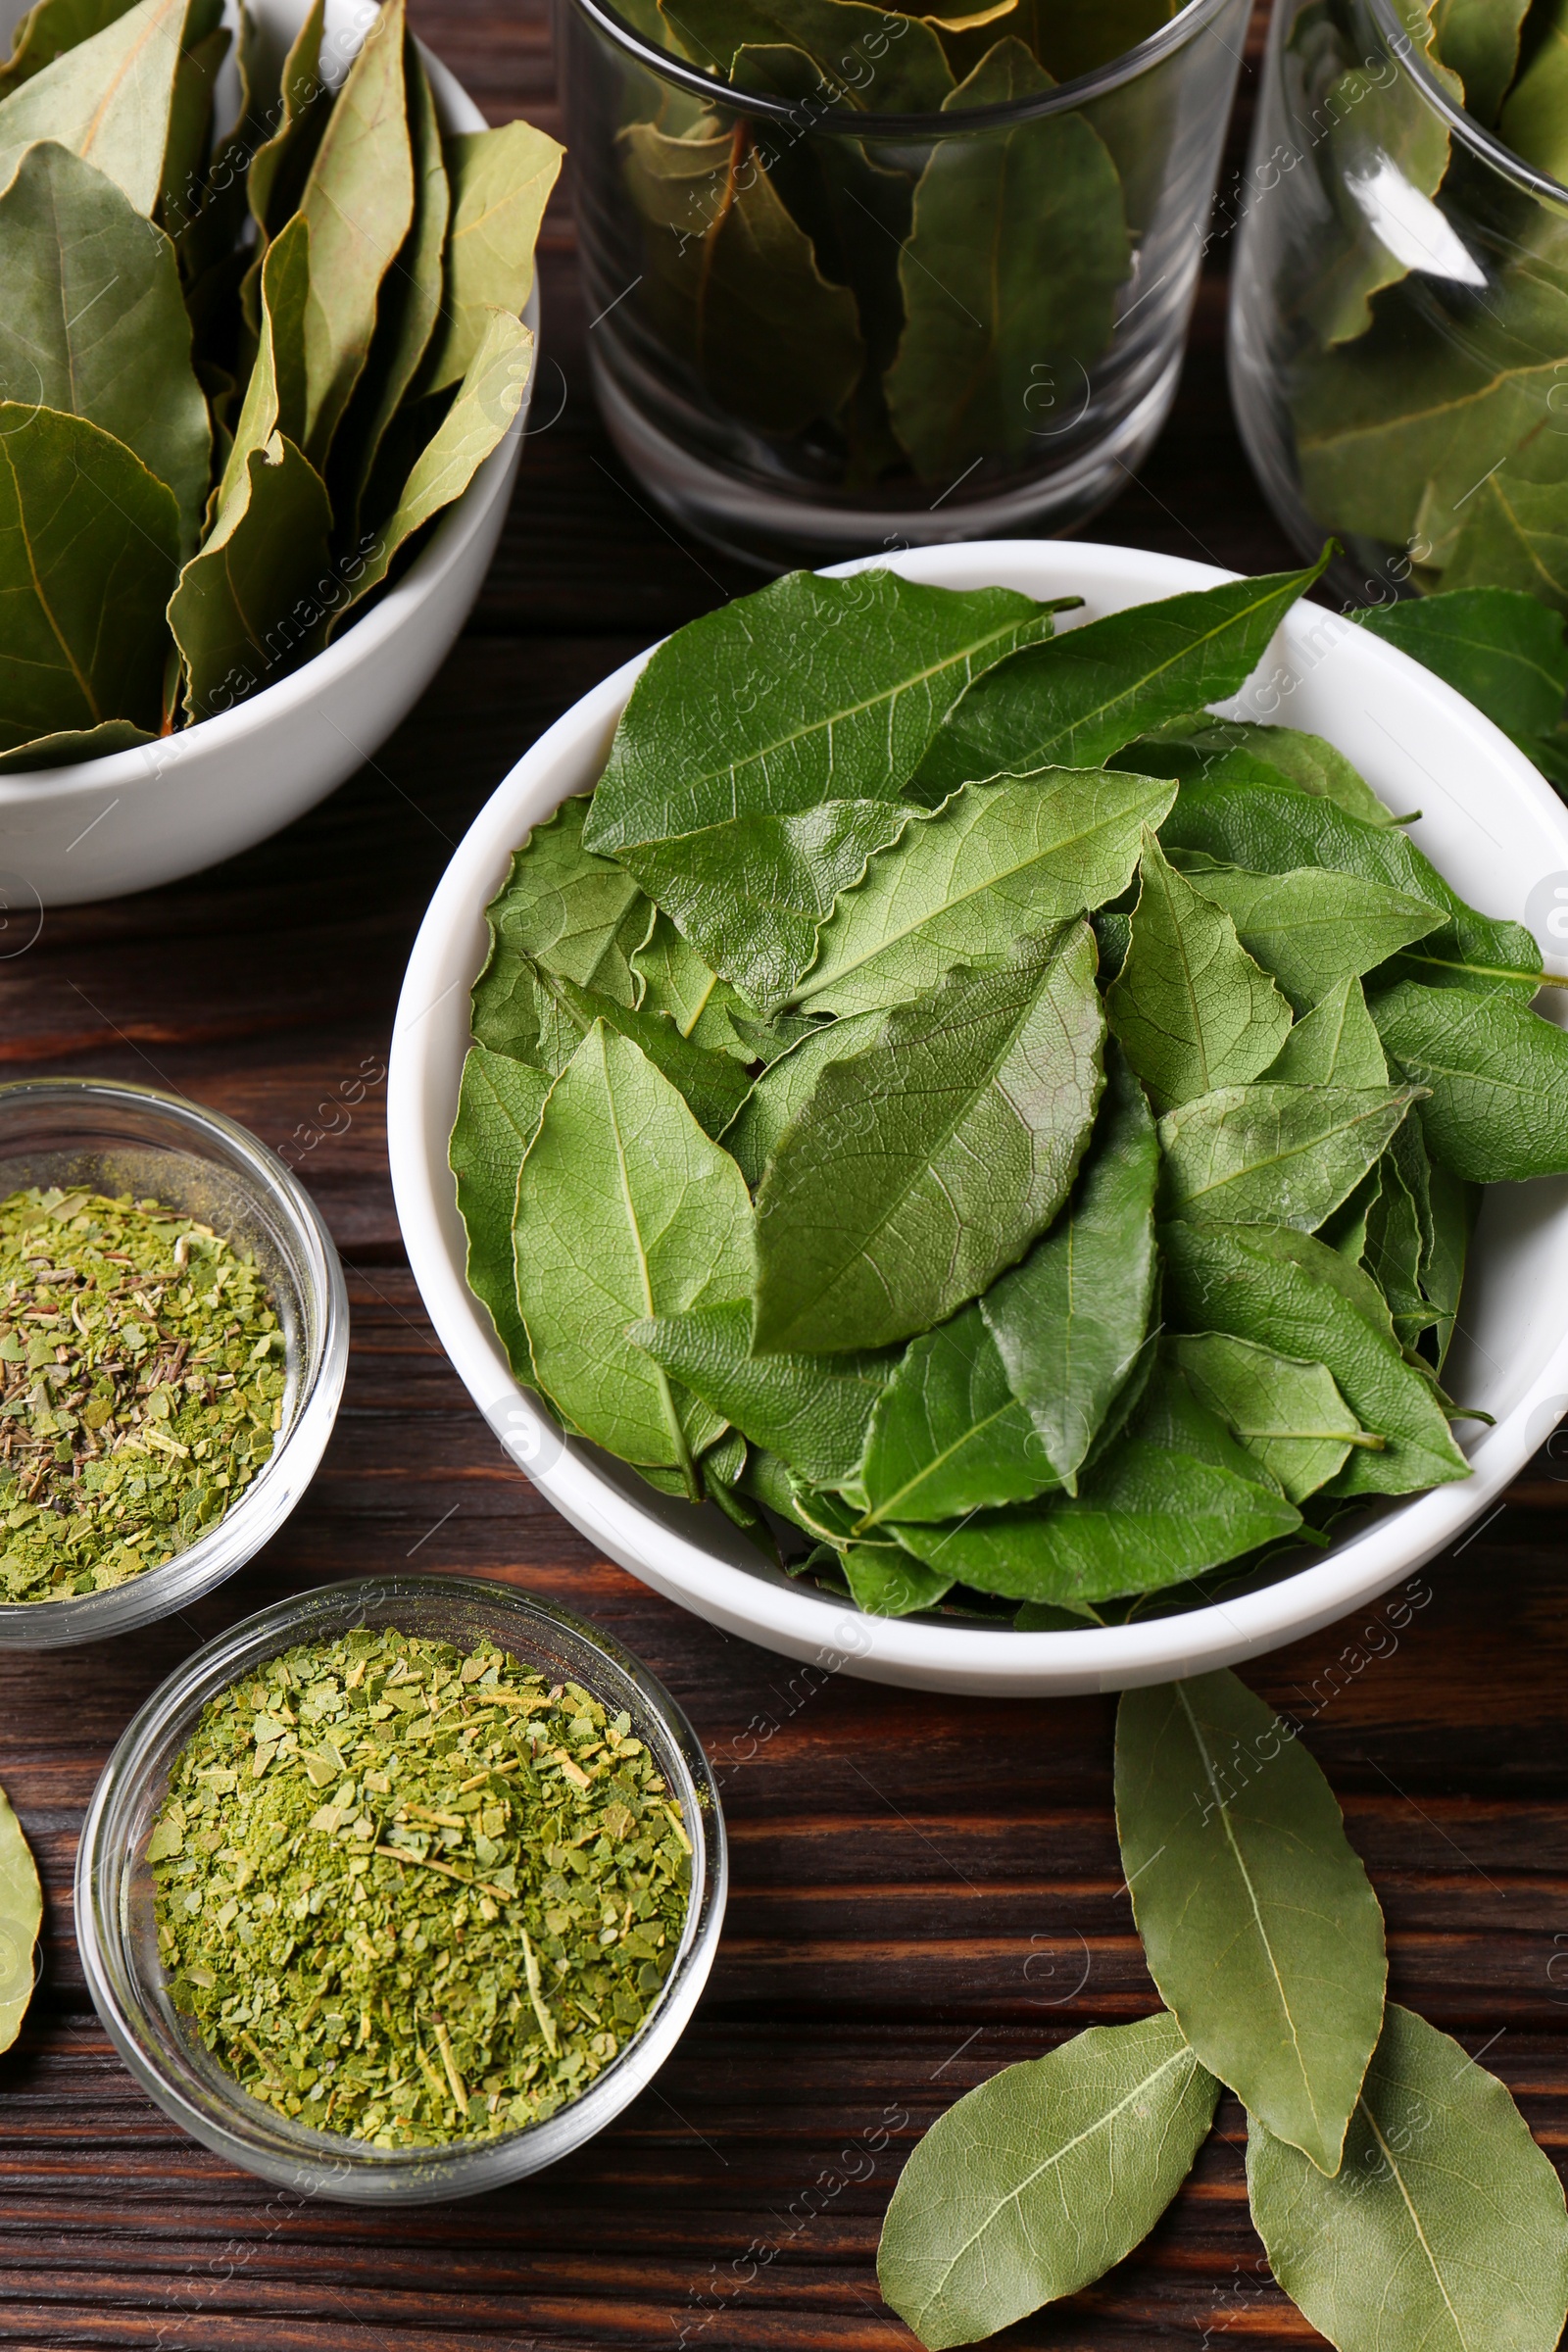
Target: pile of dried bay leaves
914 306
950 1097
235 379
1426 407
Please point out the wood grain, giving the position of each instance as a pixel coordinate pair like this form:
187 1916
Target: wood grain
924 1889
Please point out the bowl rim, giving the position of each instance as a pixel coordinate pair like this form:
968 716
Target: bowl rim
236 1537
361 641
708 1576
1415 64
324 2162
1191 20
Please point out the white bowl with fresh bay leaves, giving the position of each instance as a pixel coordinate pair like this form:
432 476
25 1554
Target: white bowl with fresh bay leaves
262 378
994 1092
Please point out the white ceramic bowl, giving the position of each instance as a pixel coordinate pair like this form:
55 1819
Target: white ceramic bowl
172 808
1489 823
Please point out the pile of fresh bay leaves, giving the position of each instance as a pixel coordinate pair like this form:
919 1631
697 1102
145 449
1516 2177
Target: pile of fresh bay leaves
235 379
949 1098
920 306
1428 407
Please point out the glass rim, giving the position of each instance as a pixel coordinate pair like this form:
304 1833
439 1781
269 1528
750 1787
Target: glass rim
1188 22
1401 48
261 1510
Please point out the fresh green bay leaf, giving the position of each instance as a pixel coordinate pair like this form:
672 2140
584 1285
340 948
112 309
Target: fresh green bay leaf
1289 1415
1497 1076
1454 1205
1070 1321
890 1583
1260 1929
1085 694
1271 1155
94 322
501 182
625 1210
1041 2179
924 1165
233 611
1444 2225
1336 1044
577 915
1499 647
108 100
812 1411
1192 1010
961 886
1215 749
674 979
948 1435
1312 928
88 545
788 1084
1392 1254
1290 1293
499 1107
1041 200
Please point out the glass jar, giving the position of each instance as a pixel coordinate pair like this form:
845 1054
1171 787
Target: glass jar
1399 335
822 331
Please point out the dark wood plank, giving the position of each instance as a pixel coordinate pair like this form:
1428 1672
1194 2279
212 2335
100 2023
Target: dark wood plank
924 1887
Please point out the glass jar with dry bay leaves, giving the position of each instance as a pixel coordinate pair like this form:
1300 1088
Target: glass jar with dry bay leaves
858 276
1400 316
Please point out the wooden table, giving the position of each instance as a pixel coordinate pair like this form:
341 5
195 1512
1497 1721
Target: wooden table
924 1889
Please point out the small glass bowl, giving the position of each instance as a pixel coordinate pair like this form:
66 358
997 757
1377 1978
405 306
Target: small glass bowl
115 1931
132 1139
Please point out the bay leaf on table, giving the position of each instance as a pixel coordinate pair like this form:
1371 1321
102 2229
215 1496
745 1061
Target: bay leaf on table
89 547
20 1917
1500 648
889 1584
50 27
1515 532
871 58
1479 40
923 1166
1273 832
1535 120
95 320
745 811
625 1210
1175 1497
734 282
1042 2178
674 979
1260 1929
1334 1043
1041 200
1082 696
108 100
1312 928
1497 1076
1191 1009
358 200
473 427
1287 1413
1272 1154
788 1084
407 308
1070 1321
580 916
1444 2225
1290 1293
501 182
234 612
947 1434
812 1411
963 885
499 1107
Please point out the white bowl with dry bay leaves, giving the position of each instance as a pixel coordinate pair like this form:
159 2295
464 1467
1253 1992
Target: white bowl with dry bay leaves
262 394
1000 1094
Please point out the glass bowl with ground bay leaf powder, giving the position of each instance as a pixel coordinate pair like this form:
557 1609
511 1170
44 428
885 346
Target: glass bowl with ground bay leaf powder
174 1334
403 1889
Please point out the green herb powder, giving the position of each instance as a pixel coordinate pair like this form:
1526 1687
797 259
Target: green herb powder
413 1896
141 1386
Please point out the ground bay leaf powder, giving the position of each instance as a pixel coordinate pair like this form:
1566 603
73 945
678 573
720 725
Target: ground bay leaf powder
142 1373
416 1897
